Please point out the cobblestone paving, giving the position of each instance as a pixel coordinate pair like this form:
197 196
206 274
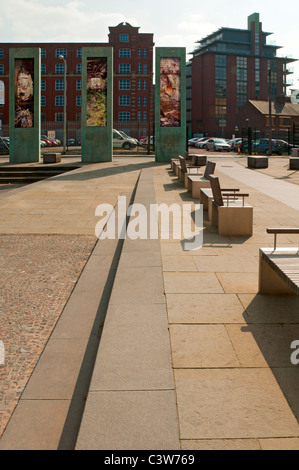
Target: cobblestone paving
37 276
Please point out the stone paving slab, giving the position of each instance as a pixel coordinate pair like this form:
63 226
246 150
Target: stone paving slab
235 385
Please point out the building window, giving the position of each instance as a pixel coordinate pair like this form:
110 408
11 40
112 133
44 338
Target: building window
43 53
59 100
144 68
43 101
139 116
145 53
1 53
139 68
125 53
144 116
61 51
59 117
43 68
59 68
257 43
59 84
139 101
124 84
78 85
139 85
1 69
78 117
124 38
144 84
285 121
139 53
42 117
79 68
241 81
124 68
124 116
43 85
144 101
79 100
79 53
124 100
220 60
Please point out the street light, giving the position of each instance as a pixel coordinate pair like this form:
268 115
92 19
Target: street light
61 57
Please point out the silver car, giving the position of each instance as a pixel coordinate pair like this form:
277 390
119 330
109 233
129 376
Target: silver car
218 145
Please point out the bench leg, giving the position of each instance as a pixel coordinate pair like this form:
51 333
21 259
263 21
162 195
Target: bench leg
270 282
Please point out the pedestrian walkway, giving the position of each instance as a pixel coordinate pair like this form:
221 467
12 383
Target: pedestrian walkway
172 348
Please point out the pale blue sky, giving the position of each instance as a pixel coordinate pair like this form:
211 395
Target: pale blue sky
174 23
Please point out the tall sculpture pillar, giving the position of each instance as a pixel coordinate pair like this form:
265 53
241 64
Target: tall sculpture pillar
24 105
97 101
170 102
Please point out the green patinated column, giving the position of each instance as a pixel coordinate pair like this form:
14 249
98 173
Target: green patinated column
170 102
97 104
24 105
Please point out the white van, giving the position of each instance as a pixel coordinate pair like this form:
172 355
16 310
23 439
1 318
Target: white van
119 141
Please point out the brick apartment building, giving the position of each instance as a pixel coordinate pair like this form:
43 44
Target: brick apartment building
228 68
132 86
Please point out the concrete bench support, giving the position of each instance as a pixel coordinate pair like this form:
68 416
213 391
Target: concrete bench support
257 162
294 163
52 157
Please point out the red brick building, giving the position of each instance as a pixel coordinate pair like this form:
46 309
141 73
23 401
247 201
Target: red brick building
132 87
228 68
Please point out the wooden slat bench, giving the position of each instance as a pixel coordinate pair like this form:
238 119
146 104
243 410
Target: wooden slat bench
279 267
230 212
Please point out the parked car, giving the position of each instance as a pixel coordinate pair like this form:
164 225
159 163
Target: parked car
47 141
202 143
278 146
50 141
217 145
143 141
119 141
128 137
234 143
43 143
192 142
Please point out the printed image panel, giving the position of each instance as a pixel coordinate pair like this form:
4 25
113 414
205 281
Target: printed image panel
96 111
170 92
24 97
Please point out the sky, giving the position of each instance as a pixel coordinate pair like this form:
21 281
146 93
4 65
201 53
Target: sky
174 23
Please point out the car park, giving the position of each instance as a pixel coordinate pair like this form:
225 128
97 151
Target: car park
218 145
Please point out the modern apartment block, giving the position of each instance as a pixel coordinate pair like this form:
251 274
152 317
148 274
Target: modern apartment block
132 87
228 68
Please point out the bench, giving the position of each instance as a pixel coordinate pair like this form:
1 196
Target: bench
52 157
294 163
229 211
279 267
194 183
206 198
184 168
257 162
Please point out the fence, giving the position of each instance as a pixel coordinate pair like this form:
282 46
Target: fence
55 130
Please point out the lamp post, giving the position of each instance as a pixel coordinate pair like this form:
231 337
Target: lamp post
61 57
